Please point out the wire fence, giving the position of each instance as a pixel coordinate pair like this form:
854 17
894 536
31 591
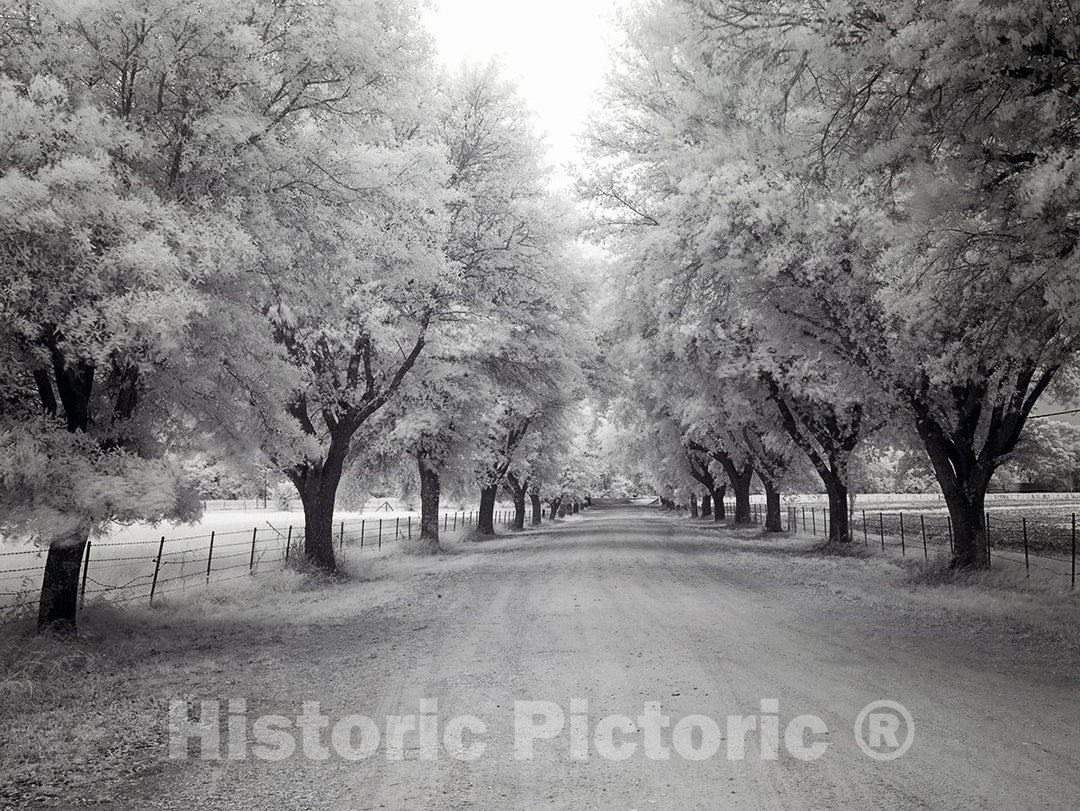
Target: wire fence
1037 538
148 569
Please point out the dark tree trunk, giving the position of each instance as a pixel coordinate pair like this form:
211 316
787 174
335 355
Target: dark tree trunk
430 490
741 486
773 520
967 511
706 506
519 510
555 504
537 508
828 442
965 497
518 491
740 479
59 600
839 531
693 504
317 495
576 508
485 518
317 484
719 511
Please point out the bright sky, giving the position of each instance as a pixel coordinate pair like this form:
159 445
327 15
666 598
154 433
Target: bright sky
556 50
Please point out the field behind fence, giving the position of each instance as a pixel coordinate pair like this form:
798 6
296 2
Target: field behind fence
135 564
1034 534
1038 538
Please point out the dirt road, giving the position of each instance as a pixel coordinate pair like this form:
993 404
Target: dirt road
625 608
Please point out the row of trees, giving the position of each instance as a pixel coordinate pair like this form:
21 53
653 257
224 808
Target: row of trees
275 229
836 220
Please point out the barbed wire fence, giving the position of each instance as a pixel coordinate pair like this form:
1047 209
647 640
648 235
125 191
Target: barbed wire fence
1040 540
126 571
1037 535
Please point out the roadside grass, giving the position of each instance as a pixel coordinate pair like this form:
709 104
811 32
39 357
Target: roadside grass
1002 597
78 716
1000 601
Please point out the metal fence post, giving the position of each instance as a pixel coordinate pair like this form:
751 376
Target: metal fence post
210 555
157 568
380 533
903 545
251 562
952 547
988 538
397 527
361 534
1073 551
922 525
341 538
881 529
1027 568
865 532
813 520
409 530
86 568
804 518
455 521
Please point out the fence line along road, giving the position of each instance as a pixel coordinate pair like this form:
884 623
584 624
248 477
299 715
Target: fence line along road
1039 537
126 571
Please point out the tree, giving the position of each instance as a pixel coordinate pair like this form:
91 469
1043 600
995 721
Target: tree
503 239
887 184
108 335
249 119
1049 452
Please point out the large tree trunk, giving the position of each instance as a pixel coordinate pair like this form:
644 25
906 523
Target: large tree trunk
773 520
317 484
828 443
741 485
519 510
518 491
740 479
537 508
706 506
836 488
59 599
719 511
430 490
693 504
485 518
965 496
970 548
555 504
58 602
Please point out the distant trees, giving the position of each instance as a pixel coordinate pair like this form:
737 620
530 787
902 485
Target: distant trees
1049 452
867 209
253 227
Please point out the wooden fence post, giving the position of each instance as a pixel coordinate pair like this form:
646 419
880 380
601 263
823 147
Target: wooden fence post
157 568
210 555
85 570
